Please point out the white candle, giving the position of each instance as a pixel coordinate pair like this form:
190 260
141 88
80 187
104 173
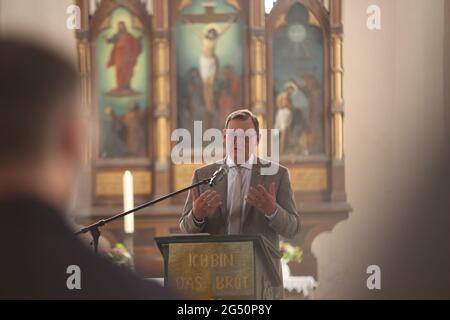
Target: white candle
150 7
128 201
92 7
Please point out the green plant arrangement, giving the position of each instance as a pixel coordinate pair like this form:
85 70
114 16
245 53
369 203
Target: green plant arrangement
291 253
120 256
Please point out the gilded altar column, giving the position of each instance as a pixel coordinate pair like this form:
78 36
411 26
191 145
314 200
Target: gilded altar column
84 201
337 102
84 68
337 81
161 88
258 77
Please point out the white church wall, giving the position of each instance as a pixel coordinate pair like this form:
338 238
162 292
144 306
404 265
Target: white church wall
394 100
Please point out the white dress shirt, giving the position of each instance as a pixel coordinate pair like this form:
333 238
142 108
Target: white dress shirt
246 172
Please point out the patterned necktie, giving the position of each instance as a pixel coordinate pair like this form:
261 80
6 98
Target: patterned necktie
234 225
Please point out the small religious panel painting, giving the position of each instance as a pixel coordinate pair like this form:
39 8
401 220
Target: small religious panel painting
122 86
298 82
210 57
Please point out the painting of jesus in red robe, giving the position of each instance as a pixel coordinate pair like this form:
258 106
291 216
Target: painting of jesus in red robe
124 56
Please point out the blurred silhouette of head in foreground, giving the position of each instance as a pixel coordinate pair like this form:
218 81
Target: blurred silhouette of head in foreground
41 140
42 135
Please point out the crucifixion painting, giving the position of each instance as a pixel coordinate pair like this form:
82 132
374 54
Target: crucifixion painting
216 71
208 61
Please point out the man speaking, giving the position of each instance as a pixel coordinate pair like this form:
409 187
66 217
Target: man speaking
248 201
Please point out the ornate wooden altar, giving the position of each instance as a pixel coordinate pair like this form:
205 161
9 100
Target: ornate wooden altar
143 75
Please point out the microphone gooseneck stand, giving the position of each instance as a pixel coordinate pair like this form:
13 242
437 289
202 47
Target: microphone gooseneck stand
94 229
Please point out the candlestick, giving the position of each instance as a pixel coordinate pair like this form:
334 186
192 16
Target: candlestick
128 202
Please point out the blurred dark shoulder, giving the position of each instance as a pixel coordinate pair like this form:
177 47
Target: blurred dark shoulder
38 247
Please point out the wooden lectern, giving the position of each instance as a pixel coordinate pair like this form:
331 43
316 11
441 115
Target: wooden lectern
204 266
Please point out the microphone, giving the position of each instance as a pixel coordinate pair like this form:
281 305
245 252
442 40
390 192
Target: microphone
218 175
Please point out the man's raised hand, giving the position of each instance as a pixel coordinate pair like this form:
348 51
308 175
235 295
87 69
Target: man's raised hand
204 204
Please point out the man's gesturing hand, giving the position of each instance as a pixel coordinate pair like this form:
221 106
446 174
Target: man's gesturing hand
263 200
204 204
